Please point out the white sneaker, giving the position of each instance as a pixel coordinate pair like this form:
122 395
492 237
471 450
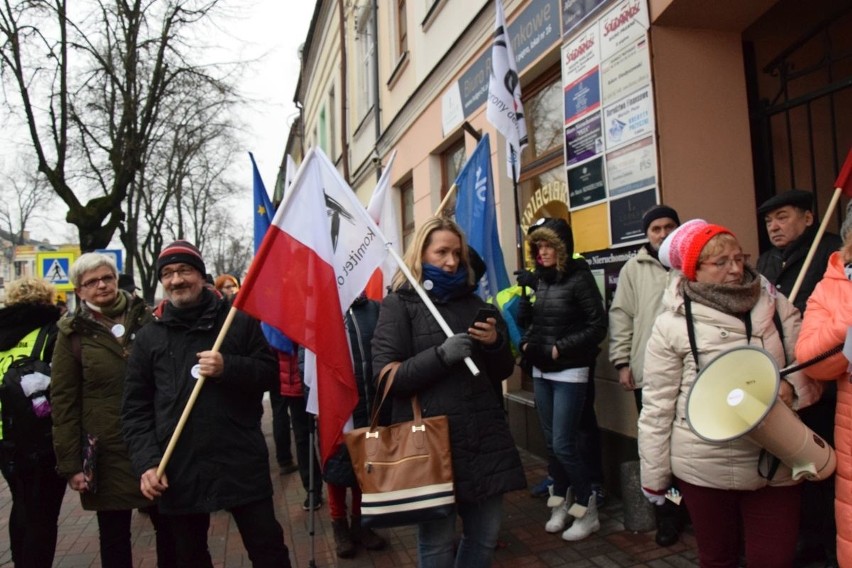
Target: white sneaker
585 522
559 518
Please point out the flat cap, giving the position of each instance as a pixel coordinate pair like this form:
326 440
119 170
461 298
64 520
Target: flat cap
795 197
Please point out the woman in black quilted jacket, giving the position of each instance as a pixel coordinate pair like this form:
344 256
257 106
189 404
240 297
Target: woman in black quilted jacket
559 349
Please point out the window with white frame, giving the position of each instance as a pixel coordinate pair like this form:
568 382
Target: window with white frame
365 64
401 24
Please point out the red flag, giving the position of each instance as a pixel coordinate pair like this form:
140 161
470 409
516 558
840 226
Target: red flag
314 261
383 211
844 180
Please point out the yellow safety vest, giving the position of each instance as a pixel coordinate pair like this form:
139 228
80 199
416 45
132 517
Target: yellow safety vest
24 348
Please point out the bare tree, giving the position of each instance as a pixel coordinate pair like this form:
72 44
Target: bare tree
24 195
94 104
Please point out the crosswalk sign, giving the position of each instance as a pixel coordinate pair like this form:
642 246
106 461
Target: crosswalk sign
54 267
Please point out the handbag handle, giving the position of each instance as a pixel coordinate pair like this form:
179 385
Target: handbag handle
388 374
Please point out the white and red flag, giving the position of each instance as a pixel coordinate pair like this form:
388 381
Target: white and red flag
315 259
382 210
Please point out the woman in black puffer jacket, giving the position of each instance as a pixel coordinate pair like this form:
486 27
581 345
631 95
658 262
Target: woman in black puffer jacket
485 460
559 350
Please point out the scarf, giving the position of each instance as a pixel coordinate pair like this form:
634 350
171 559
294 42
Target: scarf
735 299
108 316
847 268
444 285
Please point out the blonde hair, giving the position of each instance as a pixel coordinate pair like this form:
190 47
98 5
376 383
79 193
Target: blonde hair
29 291
413 257
716 245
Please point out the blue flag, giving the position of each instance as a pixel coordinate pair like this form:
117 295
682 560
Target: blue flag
477 216
263 214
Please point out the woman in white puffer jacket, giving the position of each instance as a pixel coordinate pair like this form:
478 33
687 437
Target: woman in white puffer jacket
728 304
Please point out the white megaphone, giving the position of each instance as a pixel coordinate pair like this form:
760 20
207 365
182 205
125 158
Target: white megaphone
737 395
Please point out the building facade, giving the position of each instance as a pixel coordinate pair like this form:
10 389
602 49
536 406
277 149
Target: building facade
710 107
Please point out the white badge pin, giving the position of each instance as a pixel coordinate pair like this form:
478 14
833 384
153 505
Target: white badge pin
118 330
195 371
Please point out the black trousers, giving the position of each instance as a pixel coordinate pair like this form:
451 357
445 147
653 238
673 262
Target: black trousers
37 493
262 536
300 421
115 541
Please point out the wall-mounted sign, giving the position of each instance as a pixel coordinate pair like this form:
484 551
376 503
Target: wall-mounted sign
586 184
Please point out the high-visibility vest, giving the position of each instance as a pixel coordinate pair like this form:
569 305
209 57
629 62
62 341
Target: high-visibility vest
26 347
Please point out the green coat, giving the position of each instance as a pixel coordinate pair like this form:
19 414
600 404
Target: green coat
86 393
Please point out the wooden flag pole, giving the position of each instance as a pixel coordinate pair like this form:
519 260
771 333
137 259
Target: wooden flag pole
446 199
839 188
161 469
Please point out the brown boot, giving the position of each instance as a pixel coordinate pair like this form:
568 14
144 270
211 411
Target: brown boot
344 546
366 537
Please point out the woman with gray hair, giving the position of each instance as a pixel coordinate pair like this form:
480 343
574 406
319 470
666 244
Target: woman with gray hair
28 329
88 383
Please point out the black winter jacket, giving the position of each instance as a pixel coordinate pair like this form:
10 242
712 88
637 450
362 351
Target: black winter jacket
220 460
568 312
485 460
782 266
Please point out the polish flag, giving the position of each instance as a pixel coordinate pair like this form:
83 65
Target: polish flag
315 259
382 210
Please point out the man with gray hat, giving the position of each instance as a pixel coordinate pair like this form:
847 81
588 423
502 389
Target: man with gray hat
220 460
635 306
791 225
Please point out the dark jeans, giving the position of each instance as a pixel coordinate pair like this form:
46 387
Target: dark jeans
262 536
280 428
302 424
114 532
37 493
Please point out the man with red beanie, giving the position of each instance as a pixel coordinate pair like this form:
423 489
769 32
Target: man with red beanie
220 460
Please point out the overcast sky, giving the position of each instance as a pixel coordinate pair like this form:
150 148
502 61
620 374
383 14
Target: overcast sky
266 34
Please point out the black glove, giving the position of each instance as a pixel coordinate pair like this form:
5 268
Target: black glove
525 311
455 348
527 278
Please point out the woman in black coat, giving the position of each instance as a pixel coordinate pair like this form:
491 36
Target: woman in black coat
486 463
559 349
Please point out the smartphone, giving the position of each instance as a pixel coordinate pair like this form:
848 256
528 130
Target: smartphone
483 314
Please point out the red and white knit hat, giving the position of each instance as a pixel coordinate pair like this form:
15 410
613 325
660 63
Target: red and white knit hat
681 249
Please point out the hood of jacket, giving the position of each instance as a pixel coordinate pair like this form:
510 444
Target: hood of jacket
557 233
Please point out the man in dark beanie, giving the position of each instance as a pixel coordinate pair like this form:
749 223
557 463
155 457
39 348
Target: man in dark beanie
220 460
792 227
635 306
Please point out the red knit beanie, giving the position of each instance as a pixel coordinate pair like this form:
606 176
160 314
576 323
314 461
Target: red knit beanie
683 246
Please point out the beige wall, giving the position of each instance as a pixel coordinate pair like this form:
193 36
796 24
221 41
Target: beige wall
703 130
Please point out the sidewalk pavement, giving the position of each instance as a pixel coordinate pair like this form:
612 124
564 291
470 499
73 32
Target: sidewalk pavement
523 540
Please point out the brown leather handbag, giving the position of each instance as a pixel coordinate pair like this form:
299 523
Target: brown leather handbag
405 470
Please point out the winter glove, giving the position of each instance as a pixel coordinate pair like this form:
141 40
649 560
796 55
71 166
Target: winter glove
454 349
655 498
527 278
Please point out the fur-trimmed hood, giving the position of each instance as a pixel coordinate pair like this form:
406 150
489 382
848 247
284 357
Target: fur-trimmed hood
558 233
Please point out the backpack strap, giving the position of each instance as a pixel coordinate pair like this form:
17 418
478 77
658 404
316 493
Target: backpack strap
40 342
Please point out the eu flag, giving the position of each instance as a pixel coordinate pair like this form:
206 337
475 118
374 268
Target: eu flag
263 214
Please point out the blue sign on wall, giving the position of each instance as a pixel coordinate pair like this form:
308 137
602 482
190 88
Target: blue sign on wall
116 254
533 32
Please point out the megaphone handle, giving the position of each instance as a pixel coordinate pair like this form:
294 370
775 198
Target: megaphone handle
833 351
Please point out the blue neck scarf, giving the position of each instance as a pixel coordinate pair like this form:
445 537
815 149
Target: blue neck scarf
445 286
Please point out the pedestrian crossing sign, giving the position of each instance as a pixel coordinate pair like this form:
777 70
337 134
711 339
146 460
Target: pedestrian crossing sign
54 267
